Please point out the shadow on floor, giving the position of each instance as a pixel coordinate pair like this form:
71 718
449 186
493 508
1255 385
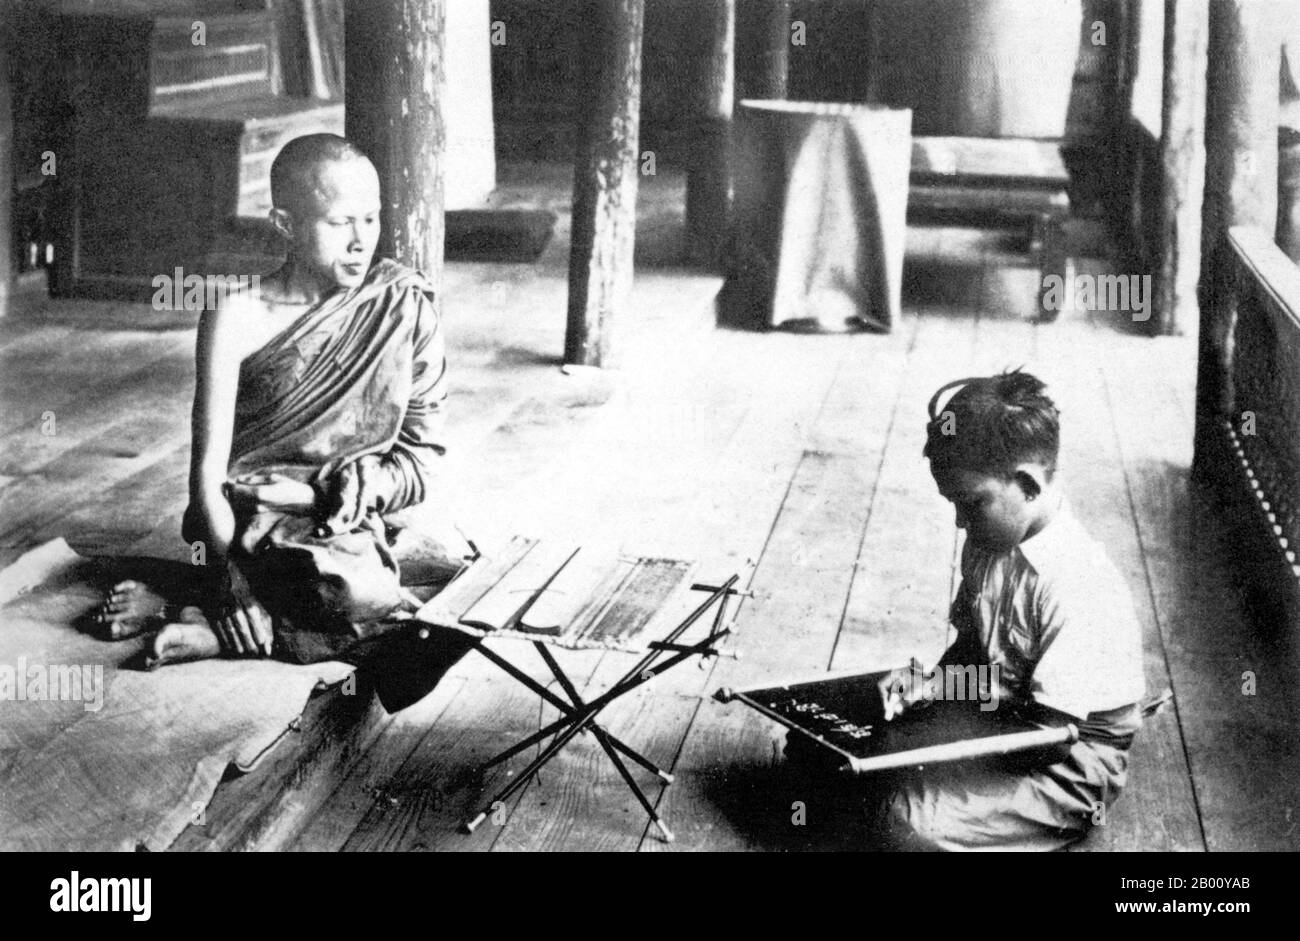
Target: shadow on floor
786 809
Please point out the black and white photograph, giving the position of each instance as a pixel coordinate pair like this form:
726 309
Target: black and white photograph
613 426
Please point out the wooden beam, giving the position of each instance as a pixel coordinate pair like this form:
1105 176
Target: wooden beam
1241 120
1182 164
774 55
1128 160
605 181
1288 158
6 172
1288 194
708 180
317 73
395 82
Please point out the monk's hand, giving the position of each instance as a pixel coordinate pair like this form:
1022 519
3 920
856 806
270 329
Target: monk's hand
353 492
270 491
244 628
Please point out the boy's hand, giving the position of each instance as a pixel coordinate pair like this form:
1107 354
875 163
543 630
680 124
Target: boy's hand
353 492
799 747
245 627
904 689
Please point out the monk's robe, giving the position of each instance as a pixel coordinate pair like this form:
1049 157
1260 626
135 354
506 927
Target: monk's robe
362 373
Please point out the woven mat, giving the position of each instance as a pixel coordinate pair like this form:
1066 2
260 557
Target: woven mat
130 768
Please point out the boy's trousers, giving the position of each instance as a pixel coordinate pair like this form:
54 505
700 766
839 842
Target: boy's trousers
998 804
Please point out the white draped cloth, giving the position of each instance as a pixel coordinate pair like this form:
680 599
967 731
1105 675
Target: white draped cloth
821 213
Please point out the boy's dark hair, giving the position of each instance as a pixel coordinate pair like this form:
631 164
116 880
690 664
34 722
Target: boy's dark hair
993 424
293 170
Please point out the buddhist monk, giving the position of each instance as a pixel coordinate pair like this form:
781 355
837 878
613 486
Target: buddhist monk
317 439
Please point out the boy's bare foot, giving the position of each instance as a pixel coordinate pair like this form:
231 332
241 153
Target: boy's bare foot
131 608
190 638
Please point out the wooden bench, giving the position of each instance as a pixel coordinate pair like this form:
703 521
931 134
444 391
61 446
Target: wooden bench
977 181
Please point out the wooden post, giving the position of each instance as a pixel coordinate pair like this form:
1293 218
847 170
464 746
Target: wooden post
1241 120
316 78
393 54
1288 157
1288 193
774 56
6 172
1182 164
605 180
708 179
1126 159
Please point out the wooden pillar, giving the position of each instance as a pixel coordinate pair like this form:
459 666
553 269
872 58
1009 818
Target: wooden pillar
605 180
1241 122
394 86
1288 194
1288 157
317 76
1182 165
1128 165
773 78
6 172
708 179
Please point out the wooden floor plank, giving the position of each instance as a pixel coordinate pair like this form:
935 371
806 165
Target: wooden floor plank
367 780
1158 810
266 810
423 804
1243 762
122 512
21 337
731 756
119 405
814 542
858 408
899 604
84 473
49 379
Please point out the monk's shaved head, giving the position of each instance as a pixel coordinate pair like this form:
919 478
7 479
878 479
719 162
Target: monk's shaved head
326 204
296 172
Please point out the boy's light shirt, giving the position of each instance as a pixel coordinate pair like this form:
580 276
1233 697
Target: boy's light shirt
1055 614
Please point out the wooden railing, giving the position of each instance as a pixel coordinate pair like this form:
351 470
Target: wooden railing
1263 426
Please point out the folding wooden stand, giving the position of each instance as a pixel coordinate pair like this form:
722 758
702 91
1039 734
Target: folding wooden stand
580 716
655 656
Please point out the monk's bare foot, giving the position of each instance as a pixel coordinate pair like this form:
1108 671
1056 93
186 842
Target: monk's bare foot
131 608
191 638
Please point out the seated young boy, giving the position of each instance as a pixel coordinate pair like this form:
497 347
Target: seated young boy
317 427
1039 600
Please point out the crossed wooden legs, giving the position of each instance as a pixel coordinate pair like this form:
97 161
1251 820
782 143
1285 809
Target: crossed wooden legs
580 716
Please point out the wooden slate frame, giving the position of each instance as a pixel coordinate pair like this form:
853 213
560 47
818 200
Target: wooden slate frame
854 698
